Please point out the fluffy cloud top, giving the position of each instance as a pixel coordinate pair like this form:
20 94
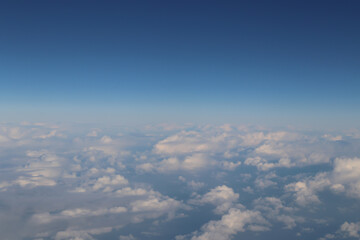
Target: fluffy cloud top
230 224
63 182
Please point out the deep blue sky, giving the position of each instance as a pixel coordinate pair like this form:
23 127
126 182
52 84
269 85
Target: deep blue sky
282 61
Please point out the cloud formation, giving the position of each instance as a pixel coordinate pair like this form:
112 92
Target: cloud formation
185 182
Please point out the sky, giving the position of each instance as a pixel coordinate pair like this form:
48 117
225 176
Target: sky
179 120
276 63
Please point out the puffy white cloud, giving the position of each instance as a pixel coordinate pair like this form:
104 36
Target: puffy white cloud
145 167
264 149
346 230
91 180
183 143
196 161
306 191
71 234
107 182
154 206
344 177
260 163
265 181
230 224
127 191
196 185
52 133
128 237
190 163
286 154
230 165
332 138
273 208
351 229
192 184
222 197
347 172
44 218
43 168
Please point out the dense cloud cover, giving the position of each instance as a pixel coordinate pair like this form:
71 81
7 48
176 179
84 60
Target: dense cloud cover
177 182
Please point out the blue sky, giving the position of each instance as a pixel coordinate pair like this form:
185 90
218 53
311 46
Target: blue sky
287 62
179 120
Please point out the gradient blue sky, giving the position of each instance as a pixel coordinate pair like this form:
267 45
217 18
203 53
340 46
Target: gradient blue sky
276 62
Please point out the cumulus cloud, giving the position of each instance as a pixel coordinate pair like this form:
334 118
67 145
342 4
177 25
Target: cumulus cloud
345 177
43 218
107 182
190 163
265 181
347 172
230 224
273 208
155 205
346 230
222 197
75 183
128 237
43 168
351 229
192 184
264 149
87 234
306 191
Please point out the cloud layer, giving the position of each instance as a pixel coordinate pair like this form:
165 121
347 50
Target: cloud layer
189 182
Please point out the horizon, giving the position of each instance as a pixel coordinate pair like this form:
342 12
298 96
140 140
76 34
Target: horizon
179 120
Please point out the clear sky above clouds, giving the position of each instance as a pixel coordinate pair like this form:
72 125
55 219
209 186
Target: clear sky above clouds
179 120
275 62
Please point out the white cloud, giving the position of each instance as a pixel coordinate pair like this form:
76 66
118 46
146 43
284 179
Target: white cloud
344 177
332 138
230 165
265 181
106 140
52 133
44 218
222 197
145 167
190 163
128 237
230 224
347 172
351 229
154 206
71 234
346 230
43 168
182 143
107 182
127 191
93 180
273 208
196 161
195 185
154 203
305 191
